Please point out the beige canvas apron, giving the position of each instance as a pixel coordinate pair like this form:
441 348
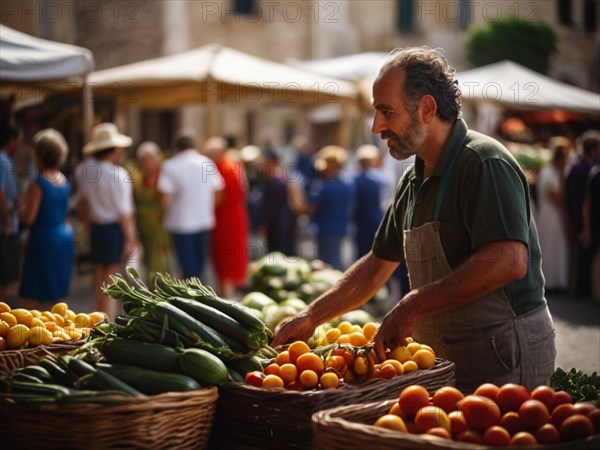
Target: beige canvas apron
485 339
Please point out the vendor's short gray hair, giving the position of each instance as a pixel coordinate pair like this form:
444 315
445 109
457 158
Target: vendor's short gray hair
147 148
50 148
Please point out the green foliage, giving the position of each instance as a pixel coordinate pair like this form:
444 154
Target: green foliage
582 387
528 43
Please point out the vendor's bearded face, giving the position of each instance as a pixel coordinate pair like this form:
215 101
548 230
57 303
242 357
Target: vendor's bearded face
396 118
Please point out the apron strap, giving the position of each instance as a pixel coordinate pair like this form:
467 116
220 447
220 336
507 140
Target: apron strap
445 179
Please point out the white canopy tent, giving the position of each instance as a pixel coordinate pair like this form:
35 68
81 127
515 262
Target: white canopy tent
215 74
30 67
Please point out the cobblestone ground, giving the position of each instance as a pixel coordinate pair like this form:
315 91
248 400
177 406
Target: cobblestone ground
577 322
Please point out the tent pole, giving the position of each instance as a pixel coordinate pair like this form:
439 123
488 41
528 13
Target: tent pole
87 105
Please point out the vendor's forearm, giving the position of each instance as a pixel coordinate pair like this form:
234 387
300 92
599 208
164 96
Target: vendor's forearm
357 286
491 267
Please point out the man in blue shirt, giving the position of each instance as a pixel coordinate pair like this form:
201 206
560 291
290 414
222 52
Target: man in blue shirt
9 220
368 185
331 201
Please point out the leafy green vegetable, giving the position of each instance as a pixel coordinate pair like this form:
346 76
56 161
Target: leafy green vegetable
582 387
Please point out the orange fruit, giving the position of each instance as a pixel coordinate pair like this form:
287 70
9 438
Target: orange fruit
283 358
296 349
369 330
361 365
358 339
4 307
22 315
59 308
395 409
272 381
96 317
288 372
488 390
344 339
431 417
391 422
338 363
387 371
410 366
447 397
329 380
272 369
310 361
413 398
413 347
4 327
9 319
345 327
424 359
397 365
309 379
355 329
400 353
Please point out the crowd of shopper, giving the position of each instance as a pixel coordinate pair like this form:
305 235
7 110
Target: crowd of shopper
211 204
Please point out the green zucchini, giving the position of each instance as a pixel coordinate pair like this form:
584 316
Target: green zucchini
148 356
25 378
106 381
58 374
243 366
150 382
234 375
206 333
220 322
202 366
37 371
78 367
37 388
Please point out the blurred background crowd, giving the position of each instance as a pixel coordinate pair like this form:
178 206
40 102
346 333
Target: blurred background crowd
153 134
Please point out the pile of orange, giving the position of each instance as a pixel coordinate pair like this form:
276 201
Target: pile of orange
509 415
299 368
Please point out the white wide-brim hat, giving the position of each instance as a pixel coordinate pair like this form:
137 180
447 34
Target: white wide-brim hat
104 136
367 151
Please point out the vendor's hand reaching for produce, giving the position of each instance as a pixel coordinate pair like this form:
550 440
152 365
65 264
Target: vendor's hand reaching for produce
397 324
297 328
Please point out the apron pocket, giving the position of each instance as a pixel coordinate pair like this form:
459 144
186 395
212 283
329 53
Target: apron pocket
486 359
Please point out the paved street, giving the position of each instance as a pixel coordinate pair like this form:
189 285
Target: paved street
577 322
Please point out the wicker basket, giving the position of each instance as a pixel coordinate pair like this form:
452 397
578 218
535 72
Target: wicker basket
249 417
11 360
352 427
178 420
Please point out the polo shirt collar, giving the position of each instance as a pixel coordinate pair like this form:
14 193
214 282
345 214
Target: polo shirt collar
459 129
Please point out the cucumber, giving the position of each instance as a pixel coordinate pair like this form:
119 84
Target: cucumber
243 366
106 381
148 356
150 382
202 366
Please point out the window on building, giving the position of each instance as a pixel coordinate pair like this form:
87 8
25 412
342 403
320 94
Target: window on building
245 7
590 16
564 12
465 13
405 15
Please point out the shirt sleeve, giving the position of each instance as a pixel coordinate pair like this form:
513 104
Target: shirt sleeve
388 242
166 183
495 203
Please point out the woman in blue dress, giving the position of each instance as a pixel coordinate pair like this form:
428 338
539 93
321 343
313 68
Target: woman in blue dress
51 245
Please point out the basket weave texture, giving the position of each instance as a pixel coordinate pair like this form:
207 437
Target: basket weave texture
11 360
249 417
352 426
174 420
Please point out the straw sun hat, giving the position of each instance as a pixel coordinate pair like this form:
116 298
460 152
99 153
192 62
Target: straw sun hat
367 151
105 136
330 153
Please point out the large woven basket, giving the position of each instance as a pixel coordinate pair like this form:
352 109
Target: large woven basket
11 360
352 427
249 417
175 420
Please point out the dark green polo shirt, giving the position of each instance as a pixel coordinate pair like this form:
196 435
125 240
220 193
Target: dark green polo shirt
487 199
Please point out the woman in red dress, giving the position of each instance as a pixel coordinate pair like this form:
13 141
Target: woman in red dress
230 234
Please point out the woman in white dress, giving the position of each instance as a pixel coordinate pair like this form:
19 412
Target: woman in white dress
551 219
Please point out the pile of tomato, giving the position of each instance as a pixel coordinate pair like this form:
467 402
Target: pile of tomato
509 415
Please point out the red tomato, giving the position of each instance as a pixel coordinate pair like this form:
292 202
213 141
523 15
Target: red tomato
431 417
584 408
439 432
546 395
469 436
547 434
511 396
594 416
447 397
496 436
575 427
254 378
457 422
560 413
562 397
488 390
523 439
512 422
480 412
533 414
413 398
